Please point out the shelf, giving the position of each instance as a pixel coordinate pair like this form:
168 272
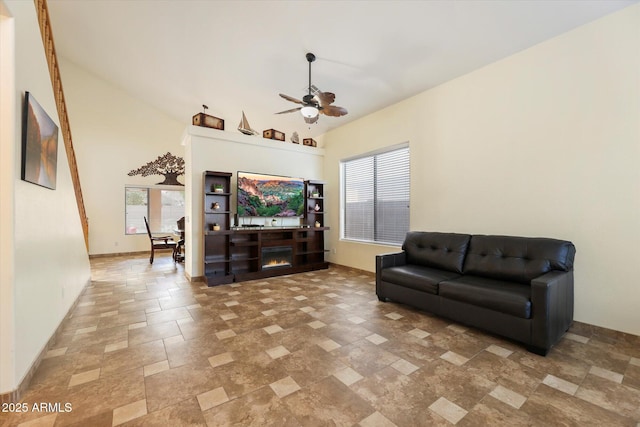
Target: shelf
312 252
244 243
217 212
213 193
216 260
241 259
216 233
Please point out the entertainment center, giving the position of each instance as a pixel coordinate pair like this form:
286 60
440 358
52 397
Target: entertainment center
236 251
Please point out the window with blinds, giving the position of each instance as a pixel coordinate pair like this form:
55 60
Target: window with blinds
376 196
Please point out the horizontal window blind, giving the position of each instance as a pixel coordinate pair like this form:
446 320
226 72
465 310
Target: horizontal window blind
376 197
359 202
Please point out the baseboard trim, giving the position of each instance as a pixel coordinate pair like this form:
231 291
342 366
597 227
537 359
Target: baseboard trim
92 256
194 279
14 396
367 272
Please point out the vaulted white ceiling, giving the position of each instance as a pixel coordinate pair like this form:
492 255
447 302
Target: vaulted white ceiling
238 55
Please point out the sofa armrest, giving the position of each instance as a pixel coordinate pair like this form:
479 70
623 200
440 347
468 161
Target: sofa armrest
390 260
386 261
552 307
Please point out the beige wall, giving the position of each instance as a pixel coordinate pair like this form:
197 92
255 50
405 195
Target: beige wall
49 262
7 177
114 133
543 143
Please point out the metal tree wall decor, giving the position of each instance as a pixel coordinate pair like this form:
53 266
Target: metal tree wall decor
168 165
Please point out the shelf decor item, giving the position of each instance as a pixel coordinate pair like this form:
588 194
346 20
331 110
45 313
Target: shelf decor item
309 142
215 206
39 145
245 127
207 121
273 134
218 188
295 138
215 227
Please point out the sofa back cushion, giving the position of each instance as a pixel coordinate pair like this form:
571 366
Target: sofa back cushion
518 259
445 251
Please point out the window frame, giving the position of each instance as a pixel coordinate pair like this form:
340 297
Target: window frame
343 195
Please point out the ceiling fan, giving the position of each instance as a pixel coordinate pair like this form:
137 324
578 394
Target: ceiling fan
315 101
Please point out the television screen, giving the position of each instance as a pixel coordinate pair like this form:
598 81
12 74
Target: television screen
270 195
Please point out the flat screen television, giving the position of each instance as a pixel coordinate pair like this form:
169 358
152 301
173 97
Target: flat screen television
270 195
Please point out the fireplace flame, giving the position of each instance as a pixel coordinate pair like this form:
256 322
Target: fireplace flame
276 262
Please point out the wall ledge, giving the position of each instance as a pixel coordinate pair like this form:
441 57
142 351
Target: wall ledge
240 138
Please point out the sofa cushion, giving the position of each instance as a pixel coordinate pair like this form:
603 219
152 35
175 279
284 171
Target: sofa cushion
518 259
417 277
437 250
505 297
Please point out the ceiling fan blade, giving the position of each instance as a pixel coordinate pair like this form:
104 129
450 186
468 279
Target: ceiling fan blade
290 98
290 111
326 98
333 111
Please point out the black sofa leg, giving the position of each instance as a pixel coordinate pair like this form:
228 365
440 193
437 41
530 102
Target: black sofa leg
538 350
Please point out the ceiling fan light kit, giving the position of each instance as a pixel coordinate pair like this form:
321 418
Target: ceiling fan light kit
315 102
309 111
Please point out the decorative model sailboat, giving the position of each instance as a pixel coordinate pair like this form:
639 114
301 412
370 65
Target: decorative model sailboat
244 126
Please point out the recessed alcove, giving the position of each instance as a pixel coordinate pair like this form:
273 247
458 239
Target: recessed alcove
277 257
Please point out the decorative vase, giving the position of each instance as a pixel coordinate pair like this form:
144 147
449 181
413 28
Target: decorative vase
317 208
317 224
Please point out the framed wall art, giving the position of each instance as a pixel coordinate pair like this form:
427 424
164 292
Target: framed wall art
39 145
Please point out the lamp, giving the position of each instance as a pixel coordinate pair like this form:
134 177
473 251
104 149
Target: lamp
309 111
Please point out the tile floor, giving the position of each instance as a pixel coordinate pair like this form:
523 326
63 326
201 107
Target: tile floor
144 347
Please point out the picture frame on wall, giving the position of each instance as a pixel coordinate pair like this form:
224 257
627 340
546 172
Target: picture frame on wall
39 145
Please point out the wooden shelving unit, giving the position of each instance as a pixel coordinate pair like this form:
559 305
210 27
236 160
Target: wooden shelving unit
239 254
314 202
216 226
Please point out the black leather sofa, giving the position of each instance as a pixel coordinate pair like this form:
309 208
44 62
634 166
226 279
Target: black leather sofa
517 287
